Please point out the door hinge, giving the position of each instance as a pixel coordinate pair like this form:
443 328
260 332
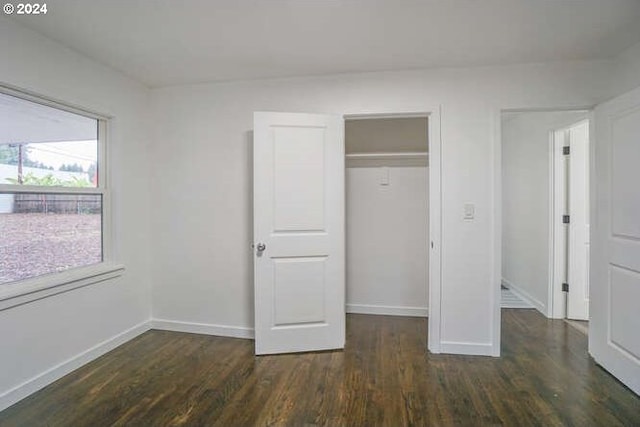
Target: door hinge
565 287
566 150
566 219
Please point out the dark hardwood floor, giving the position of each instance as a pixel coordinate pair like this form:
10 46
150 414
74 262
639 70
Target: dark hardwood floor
383 377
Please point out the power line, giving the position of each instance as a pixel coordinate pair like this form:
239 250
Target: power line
64 153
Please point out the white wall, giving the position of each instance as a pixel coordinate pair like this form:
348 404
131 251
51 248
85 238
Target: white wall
42 339
387 231
526 201
201 182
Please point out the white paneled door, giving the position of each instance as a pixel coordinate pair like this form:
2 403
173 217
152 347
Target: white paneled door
614 330
299 232
578 272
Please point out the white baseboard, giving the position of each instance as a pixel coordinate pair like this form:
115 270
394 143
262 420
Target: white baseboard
42 380
467 348
203 328
536 303
388 310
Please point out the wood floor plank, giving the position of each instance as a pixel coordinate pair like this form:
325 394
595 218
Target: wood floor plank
383 377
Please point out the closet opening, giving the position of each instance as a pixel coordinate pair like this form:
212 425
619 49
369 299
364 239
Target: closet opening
387 215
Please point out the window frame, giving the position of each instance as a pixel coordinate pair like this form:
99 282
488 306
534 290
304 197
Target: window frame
34 288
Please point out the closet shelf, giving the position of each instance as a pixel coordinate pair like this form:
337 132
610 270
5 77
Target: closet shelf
385 156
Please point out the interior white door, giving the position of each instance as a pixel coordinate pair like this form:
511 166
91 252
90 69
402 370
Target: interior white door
299 232
578 266
614 338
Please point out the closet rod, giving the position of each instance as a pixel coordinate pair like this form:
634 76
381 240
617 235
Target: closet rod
382 156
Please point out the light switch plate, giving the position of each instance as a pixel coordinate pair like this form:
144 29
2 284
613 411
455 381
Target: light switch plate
469 211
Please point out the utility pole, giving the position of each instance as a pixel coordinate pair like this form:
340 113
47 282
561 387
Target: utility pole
20 156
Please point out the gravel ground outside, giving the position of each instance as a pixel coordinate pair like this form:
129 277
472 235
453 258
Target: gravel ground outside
33 244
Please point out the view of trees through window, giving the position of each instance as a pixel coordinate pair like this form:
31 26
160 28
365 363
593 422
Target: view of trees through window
46 228
78 170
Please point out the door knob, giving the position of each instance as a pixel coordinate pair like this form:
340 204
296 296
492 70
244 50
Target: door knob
261 247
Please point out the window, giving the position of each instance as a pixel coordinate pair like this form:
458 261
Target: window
52 195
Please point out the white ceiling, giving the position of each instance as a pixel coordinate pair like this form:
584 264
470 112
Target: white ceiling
170 42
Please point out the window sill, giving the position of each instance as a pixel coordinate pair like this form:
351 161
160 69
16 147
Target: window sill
25 291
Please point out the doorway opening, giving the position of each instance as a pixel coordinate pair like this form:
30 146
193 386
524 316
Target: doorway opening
545 213
387 215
